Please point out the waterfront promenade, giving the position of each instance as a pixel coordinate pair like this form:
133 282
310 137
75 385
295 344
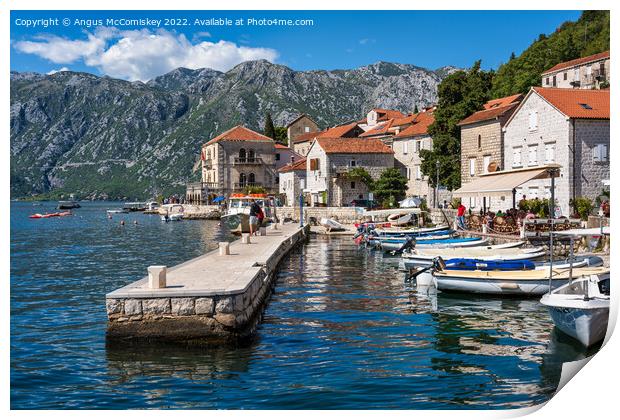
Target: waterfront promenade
216 297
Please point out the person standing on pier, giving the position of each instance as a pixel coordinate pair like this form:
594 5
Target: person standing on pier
255 210
460 216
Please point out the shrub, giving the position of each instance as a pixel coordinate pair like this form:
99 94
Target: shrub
582 206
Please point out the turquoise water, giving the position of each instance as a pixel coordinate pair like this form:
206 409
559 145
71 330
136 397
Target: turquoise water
341 331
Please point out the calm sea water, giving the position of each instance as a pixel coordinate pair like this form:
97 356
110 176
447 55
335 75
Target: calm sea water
341 331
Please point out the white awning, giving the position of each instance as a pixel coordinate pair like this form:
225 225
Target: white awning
503 182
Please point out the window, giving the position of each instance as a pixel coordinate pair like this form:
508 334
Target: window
405 147
241 154
554 81
533 120
585 106
550 153
479 141
418 145
472 202
516 156
576 74
533 192
588 71
307 129
472 166
600 153
486 163
353 163
532 159
418 172
565 75
251 178
547 81
242 179
408 173
352 185
277 156
302 183
314 164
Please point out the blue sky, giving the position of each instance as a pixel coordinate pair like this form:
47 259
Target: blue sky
336 40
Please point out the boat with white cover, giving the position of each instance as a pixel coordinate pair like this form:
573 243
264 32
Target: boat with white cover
331 225
580 308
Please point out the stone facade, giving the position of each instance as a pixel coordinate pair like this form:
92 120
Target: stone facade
407 159
550 140
302 148
584 74
292 184
229 166
300 125
327 183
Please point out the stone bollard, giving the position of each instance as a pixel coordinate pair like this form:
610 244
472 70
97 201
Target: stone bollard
485 228
224 248
263 231
157 276
245 238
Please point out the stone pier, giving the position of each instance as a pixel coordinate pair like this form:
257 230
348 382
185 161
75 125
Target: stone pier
217 297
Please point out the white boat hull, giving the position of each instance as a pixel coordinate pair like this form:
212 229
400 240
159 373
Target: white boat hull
512 287
588 326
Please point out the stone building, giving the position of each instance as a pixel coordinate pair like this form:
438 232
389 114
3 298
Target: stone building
329 162
377 116
293 181
590 72
569 127
407 145
303 124
236 159
482 148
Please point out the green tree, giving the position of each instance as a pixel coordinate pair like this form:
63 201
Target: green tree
280 135
390 187
270 130
460 94
361 174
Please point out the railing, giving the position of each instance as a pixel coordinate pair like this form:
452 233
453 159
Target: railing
203 185
341 169
248 161
242 185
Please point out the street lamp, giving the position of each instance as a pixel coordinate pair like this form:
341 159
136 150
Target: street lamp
437 184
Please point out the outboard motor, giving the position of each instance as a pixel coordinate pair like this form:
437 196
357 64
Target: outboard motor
407 246
424 277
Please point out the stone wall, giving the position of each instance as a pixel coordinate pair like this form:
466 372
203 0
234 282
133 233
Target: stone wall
213 316
407 159
346 215
589 173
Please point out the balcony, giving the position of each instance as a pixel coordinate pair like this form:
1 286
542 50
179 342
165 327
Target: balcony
208 163
203 185
247 161
242 185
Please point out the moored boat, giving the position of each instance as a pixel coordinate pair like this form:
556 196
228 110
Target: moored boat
172 213
400 245
331 225
424 257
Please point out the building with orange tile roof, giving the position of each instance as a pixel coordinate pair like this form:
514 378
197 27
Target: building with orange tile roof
569 127
236 159
329 162
301 125
591 72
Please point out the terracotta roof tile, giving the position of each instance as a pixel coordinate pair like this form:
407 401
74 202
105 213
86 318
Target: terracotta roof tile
380 130
298 165
419 127
407 119
488 114
496 103
338 131
240 133
306 136
353 146
578 61
387 114
578 103
281 146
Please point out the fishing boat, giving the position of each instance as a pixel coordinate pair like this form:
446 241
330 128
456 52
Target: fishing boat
237 216
424 257
135 206
68 204
580 308
331 225
510 282
401 245
172 213
116 211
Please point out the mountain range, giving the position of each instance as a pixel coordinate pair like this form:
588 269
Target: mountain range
100 137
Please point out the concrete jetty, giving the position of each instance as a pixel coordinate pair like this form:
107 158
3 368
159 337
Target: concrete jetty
213 298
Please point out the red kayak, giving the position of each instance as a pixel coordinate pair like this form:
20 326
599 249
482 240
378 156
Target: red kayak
48 215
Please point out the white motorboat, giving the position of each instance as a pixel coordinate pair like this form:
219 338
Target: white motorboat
172 212
237 216
331 225
407 231
580 308
517 282
401 244
398 219
116 211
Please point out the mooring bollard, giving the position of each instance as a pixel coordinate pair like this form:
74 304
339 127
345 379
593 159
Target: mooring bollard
245 238
157 276
224 248
263 231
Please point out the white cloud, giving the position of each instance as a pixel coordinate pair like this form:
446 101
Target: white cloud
142 54
365 41
57 70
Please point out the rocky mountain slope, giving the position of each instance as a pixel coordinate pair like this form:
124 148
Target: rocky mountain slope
102 137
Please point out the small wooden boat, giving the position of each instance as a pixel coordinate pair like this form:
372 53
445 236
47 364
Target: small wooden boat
331 225
518 282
